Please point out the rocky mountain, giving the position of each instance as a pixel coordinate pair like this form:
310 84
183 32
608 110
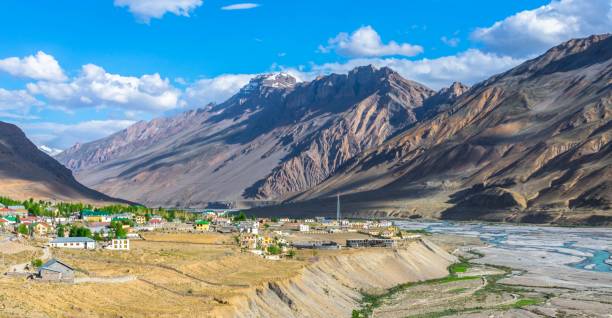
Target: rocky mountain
531 144
27 172
273 139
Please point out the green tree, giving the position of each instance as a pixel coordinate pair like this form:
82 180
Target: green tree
118 230
37 262
240 217
97 237
78 231
60 230
23 229
274 249
274 219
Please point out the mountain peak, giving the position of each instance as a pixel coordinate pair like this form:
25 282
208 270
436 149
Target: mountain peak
270 80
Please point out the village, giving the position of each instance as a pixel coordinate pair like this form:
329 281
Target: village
115 229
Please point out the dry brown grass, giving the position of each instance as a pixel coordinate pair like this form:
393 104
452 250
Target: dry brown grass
179 275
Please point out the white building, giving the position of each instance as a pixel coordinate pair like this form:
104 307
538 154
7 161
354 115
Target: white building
74 242
119 245
304 227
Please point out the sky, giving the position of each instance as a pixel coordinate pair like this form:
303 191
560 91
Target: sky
75 71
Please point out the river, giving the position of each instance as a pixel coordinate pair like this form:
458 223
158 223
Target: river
585 249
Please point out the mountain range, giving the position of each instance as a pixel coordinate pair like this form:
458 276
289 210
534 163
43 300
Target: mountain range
531 144
27 172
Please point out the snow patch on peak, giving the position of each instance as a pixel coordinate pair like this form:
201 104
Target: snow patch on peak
273 80
50 151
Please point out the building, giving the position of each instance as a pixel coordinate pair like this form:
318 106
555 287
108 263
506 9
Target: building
27 220
177 227
248 227
42 229
74 242
371 243
119 245
303 227
140 219
317 245
95 216
248 241
10 219
18 210
202 225
55 270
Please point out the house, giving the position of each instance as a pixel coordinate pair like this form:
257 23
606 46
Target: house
140 219
42 229
27 220
95 216
56 270
119 245
74 242
10 219
309 220
248 227
18 210
177 227
303 227
202 225
248 241
156 219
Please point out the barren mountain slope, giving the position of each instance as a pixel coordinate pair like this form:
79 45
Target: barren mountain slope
26 172
273 139
534 139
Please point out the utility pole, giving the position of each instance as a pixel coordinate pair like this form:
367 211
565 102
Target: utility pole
338 209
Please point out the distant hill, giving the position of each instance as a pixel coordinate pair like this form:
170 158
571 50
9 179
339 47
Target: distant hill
27 172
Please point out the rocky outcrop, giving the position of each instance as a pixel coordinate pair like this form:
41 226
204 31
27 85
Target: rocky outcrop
27 172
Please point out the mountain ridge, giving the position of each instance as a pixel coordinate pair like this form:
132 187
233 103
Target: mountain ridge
28 172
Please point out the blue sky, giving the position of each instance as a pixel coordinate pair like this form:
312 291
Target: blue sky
74 71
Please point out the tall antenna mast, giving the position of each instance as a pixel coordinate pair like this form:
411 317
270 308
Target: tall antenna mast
338 209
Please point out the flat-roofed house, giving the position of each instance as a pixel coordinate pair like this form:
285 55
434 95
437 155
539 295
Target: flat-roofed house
119 244
56 270
202 225
74 242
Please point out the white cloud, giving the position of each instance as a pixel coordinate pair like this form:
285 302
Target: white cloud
469 67
215 90
240 6
450 41
365 42
533 31
62 136
41 66
16 104
144 10
94 87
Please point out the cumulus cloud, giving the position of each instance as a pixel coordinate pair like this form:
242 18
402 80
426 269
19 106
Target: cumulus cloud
240 6
469 67
62 136
94 87
215 90
41 66
534 31
17 99
144 10
366 42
